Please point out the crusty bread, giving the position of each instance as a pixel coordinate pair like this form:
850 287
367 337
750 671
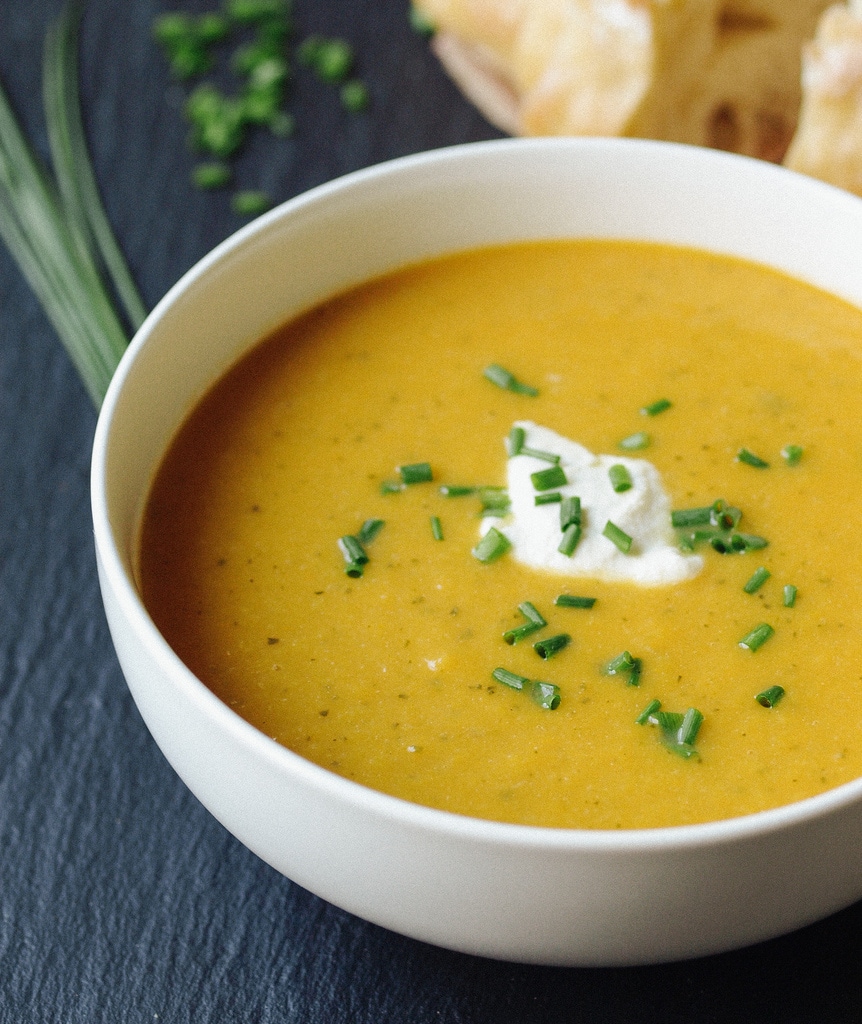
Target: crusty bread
722 74
828 141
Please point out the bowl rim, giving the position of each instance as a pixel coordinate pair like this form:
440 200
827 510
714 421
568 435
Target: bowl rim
282 759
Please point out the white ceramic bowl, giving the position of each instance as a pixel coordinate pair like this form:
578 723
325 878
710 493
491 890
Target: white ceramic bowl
507 891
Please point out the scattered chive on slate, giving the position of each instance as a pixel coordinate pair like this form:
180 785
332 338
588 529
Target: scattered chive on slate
415 473
420 24
492 546
770 697
757 637
750 459
617 537
354 96
654 408
507 381
547 479
635 442
789 595
621 479
792 454
436 528
212 174
551 645
572 601
330 59
250 202
759 577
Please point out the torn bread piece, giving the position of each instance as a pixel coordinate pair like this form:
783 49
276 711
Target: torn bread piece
828 142
720 74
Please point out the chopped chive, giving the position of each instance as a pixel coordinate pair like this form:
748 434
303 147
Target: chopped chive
570 512
518 633
570 601
792 454
537 453
456 490
546 479
648 712
690 517
635 442
552 645
689 727
415 473
517 438
621 479
352 550
532 613
770 697
757 580
669 721
570 540
494 499
354 569
506 380
391 487
369 530
436 528
747 542
789 595
548 498
636 670
618 537
546 695
507 678
672 724
757 637
750 459
724 516
491 546
623 662
654 408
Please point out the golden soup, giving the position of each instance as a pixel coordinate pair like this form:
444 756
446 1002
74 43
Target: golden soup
386 679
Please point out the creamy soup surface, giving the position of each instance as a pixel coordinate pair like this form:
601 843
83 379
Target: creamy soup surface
386 678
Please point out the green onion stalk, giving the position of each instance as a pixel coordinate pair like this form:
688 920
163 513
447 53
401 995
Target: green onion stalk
55 226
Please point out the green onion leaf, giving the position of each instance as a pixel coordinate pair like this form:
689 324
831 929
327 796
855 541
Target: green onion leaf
618 537
551 645
750 459
654 408
757 637
571 601
436 528
415 473
506 380
621 479
789 595
491 546
757 580
770 697
546 695
507 678
635 442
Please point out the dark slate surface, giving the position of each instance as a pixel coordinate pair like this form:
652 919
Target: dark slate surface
121 899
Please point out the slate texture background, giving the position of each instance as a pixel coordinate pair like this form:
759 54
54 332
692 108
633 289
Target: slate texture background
121 899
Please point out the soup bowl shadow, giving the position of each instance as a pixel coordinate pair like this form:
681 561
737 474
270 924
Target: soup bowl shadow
551 896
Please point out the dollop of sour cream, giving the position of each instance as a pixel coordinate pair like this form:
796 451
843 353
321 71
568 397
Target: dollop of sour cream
643 512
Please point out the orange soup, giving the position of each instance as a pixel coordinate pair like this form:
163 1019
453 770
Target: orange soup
388 671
